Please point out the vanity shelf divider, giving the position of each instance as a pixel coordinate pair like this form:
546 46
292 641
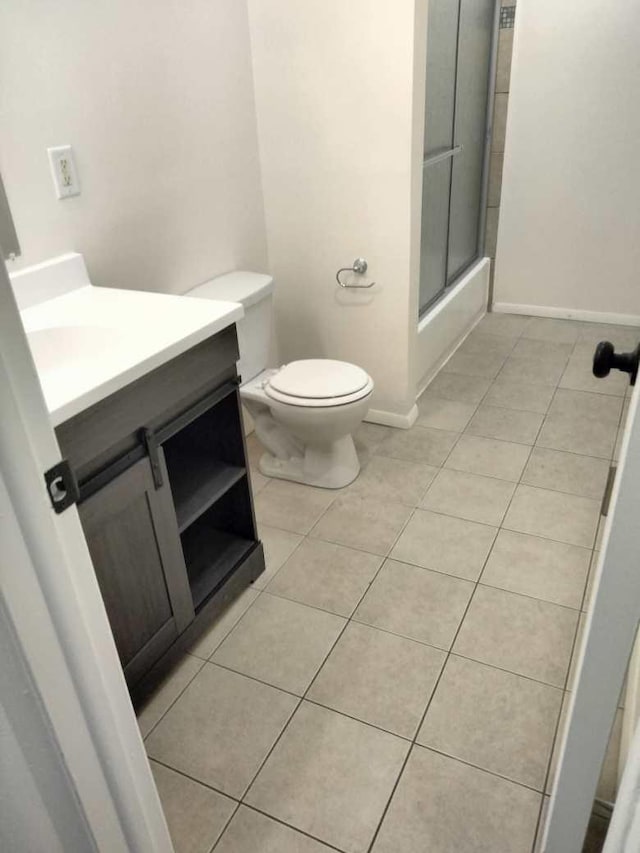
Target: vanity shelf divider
198 484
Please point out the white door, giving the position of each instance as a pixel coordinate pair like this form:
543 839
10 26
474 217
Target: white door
608 638
73 770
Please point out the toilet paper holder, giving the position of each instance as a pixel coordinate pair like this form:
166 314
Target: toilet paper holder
360 267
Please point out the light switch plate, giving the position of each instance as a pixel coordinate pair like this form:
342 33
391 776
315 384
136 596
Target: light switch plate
63 171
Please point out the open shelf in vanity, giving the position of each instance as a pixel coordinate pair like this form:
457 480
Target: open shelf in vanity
205 460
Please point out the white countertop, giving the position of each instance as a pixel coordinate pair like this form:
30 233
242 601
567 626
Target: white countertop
91 341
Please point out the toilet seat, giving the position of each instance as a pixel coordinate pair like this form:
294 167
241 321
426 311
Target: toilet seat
318 382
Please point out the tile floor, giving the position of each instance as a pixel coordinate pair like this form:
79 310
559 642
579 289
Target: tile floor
394 681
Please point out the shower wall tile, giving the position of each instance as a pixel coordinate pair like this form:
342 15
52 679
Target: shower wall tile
495 179
499 121
491 233
505 49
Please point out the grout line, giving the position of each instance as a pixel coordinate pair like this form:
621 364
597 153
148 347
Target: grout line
290 826
225 827
194 779
163 715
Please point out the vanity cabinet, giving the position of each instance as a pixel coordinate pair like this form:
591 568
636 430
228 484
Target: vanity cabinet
166 502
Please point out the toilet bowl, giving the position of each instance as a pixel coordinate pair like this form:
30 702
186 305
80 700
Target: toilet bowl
304 416
305 412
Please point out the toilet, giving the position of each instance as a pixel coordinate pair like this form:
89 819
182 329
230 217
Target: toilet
304 412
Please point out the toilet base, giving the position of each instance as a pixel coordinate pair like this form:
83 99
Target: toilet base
329 466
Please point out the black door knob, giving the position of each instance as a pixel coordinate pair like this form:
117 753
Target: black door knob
606 359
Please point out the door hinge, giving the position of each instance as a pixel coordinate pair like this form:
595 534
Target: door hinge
62 486
151 443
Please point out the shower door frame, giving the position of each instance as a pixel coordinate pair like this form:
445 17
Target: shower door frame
451 153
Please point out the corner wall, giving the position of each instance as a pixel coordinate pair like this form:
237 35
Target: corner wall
570 213
157 101
334 88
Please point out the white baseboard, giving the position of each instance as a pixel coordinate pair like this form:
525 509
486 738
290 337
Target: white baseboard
393 419
567 314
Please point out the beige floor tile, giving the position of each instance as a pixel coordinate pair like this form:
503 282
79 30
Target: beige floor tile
551 571
532 348
532 371
363 523
470 496
206 645
394 480
553 515
486 364
578 375
278 546
445 544
503 325
489 457
367 439
415 603
379 678
477 342
196 815
496 720
292 506
552 330
419 444
330 776
258 480
602 407
522 635
577 434
221 729
567 472
252 832
505 424
622 337
463 389
439 413
280 642
444 806
326 575
167 692
517 395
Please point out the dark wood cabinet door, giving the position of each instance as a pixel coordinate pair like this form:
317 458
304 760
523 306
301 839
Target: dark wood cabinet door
134 543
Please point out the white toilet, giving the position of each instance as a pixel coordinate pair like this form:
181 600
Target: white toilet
304 412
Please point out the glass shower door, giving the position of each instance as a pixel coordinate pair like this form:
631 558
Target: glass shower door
459 47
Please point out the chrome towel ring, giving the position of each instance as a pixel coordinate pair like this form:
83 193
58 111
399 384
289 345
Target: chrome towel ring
360 267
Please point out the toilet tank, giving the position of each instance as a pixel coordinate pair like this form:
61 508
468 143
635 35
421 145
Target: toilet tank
255 292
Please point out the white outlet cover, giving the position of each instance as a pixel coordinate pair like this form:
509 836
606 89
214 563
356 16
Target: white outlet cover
63 171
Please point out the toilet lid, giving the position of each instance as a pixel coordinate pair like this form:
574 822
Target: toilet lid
319 379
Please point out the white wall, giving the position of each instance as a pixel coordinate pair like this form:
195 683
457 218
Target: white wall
569 232
334 88
157 100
